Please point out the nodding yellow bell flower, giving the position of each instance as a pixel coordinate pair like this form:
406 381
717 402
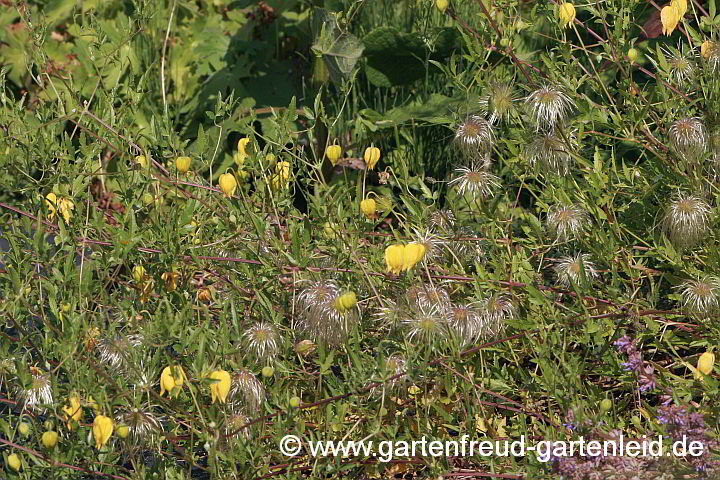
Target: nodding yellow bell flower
227 184
170 378
14 462
142 161
73 411
632 55
49 439
183 164
138 273
333 153
345 301
412 254
705 363
281 179
669 16
371 157
681 6
219 390
368 207
62 205
241 154
170 279
394 258
441 5
566 14
102 430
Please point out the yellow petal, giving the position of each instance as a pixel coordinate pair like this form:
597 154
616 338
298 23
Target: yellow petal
219 390
669 16
394 258
705 363
413 253
102 430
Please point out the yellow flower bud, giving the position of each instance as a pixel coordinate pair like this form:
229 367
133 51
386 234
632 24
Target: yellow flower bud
219 390
669 16
566 14
394 258
123 431
170 378
49 439
241 154
183 164
632 55
227 184
73 411
368 207
371 157
345 301
138 273
441 5
706 362
142 161
23 429
333 153
102 430
14 462
413 253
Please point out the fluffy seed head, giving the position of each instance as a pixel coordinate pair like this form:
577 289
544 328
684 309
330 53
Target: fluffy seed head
426 325
548 106
319 317
681 64
39 392
116 351
142 424
687 220
234 426
428 297
466 322
550 153
496 310
247 393
475 180
262 341
688 138
498 102
575 269
701 297
567 222
474 137
442 220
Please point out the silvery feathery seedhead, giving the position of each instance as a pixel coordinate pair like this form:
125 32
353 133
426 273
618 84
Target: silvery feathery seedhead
548 106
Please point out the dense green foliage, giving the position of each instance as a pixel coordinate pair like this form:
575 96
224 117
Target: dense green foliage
173 195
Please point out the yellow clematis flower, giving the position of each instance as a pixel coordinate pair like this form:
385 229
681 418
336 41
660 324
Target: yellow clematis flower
281 179
669 16
333 153
566 14
705 363
345 301
219 390
102 430
241 154
62 205
170 378
368 207
371 157
73 411
227 184
412 254
394 258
